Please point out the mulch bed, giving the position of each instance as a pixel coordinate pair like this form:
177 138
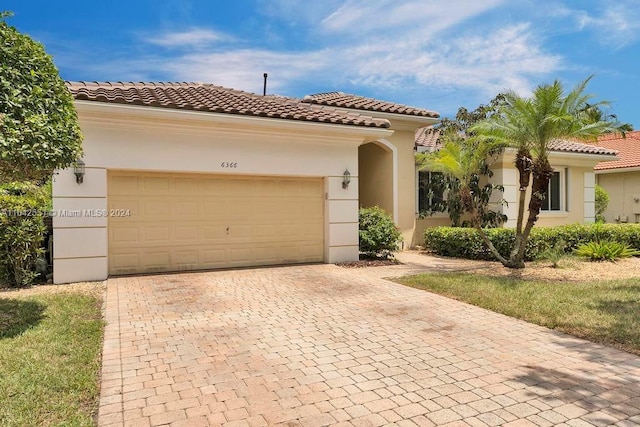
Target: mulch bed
368 262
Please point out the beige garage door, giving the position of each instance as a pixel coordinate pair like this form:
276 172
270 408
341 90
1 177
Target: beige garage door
175 222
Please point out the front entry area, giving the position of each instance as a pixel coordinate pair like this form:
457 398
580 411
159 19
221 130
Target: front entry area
375 165
160 222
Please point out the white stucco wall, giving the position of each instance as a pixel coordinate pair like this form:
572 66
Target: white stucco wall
150 139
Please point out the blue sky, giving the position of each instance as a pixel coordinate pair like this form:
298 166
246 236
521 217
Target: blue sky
433 54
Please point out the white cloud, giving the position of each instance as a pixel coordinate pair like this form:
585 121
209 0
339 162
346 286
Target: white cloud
243 69
193 38
401 53
504 59
618 24
412 16
296 12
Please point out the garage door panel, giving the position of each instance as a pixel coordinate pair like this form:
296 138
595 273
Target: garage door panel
187 209
240 255
213 187
189 222
239 187
188 186
309 189
239 209
187 233
239 232
214 209
151 209
154 258
156 234
310 252
186 256
123 185
212 233
126 235
156 185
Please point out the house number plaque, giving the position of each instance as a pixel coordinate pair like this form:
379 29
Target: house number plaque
231 165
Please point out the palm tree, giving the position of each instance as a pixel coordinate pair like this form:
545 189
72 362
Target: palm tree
530 124
464 159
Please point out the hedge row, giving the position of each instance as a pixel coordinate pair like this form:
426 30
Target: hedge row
466 243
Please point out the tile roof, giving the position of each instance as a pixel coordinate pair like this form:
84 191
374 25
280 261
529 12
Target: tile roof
427 137
579 147
345 100
216 99
628 149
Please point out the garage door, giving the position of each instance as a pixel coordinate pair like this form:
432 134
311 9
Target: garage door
175 222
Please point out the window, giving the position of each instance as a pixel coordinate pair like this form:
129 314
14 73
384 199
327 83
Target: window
556 193
430 191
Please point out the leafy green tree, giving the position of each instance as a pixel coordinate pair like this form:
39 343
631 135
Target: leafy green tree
39 129
456 130
464 118
530 125
464 159
597 114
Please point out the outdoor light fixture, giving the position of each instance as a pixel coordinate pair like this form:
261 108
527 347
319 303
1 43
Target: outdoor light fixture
346 179
78 171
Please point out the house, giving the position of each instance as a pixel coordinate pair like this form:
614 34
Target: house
189 176
570 197
621 178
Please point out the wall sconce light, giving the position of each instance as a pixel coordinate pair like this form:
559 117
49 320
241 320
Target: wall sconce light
346 179
78 171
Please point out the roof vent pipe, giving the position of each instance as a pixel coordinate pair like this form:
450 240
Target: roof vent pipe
264 89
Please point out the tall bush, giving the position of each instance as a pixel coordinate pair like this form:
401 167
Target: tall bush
39 129
379 236
22 229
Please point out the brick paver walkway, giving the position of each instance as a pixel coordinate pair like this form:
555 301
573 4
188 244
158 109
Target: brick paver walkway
322 345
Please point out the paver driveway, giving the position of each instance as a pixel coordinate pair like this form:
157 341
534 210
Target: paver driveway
322 345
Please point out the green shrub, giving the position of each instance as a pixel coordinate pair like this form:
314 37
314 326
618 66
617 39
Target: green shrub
379 236
466 243
602 201
606 251
554 253
21 233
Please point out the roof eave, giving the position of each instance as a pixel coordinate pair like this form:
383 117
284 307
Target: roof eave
398 121
618 170
148 112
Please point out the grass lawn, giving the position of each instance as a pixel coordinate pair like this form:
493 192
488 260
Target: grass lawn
606 312
49 359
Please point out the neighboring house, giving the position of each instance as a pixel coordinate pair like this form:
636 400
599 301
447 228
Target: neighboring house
621 178
188 176
570 198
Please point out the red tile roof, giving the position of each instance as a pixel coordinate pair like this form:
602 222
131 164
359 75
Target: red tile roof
579 147
428 137
628 149
216 99
345 100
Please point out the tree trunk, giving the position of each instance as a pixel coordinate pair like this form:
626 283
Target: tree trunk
542 173
524 166
492 248
476 221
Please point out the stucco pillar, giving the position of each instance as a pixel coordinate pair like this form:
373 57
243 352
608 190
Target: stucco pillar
80 226
341 213
589 197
